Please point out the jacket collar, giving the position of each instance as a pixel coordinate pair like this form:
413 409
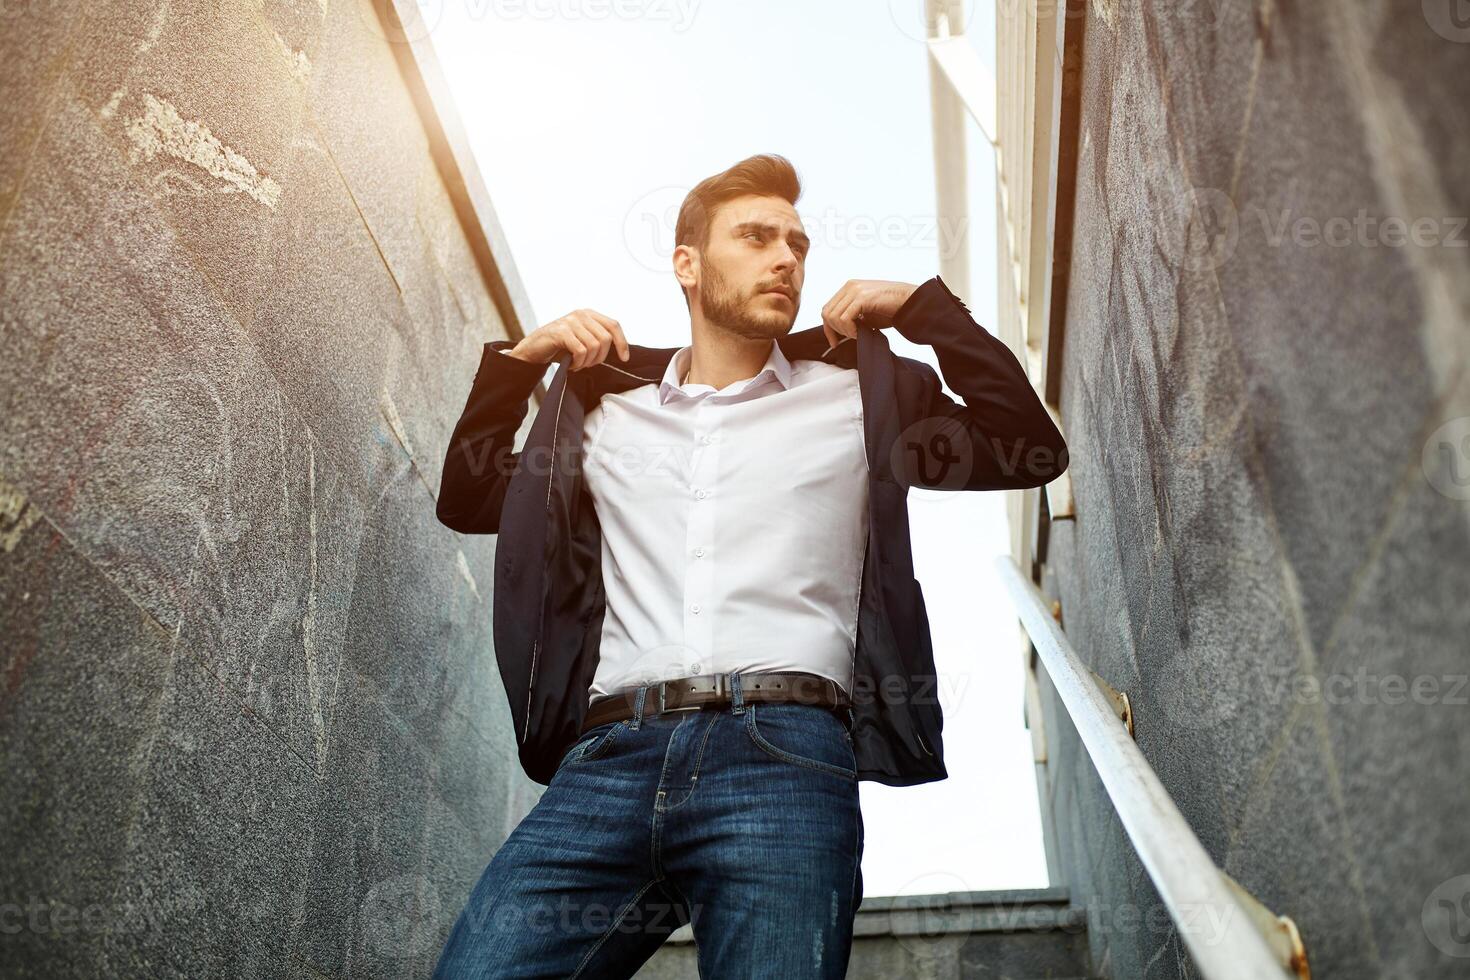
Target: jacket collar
650 365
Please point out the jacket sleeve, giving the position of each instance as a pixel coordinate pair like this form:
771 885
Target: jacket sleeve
480 457
1003 434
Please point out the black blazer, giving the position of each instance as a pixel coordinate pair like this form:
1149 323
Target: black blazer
549 598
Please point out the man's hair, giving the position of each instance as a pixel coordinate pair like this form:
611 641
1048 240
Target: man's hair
767 174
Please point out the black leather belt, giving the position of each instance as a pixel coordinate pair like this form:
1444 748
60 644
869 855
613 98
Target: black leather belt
688 693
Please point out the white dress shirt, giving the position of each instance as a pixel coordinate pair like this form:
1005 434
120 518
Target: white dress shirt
734 523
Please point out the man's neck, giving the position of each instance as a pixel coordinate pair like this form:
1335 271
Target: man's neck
721 364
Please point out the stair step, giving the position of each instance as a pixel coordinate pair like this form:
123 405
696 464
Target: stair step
1008 910
1004 910
1016 934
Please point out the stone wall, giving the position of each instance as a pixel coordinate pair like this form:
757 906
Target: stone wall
1266 398
250 722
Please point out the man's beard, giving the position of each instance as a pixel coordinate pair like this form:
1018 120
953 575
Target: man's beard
722 304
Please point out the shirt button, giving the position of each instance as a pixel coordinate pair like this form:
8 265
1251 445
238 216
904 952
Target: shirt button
694 608
698 552
694 668
701 494
706 440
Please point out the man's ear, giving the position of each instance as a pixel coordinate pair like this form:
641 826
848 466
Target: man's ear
686 265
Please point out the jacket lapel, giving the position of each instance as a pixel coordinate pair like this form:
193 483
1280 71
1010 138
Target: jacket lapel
875 381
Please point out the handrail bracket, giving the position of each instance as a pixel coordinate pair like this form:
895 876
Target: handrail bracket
1279 931
1122 707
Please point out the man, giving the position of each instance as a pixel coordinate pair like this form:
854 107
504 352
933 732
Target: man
705 611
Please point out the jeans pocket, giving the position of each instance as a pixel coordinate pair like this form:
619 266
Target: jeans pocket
593 743
802 735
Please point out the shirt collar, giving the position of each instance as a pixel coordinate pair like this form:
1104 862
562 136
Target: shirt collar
776 366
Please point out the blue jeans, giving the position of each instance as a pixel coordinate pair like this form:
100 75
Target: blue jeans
740 819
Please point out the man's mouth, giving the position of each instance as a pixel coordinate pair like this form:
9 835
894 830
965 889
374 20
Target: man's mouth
781 291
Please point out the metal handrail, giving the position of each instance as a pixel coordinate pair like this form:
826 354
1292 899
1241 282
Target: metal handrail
1219 926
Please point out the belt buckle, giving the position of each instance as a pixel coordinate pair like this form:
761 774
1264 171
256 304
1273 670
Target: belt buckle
663 687
663 707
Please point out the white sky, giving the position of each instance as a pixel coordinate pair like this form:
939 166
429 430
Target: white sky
590 119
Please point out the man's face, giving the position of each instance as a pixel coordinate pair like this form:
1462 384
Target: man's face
756 246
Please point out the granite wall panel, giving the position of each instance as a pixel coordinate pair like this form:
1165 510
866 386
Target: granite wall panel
117 363
85 676
250 720
1256 371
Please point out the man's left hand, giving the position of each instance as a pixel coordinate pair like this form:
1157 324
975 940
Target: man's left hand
863 303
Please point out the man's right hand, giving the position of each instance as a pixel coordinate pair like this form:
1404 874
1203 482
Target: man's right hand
586 334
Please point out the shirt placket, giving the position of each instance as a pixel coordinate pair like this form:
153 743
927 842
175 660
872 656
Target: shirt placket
699 550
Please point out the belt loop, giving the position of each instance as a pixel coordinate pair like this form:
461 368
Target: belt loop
737 703
638 707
